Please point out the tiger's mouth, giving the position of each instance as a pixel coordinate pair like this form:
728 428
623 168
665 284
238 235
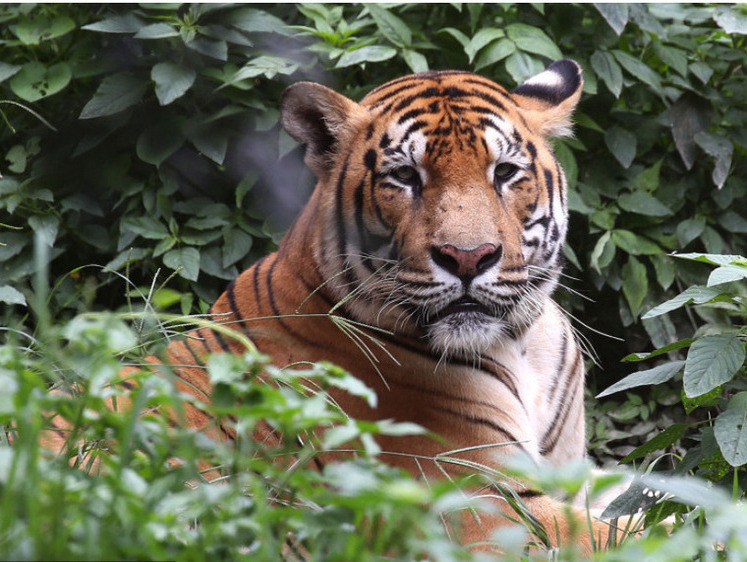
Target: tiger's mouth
463 304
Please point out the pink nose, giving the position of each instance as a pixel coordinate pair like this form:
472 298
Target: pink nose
466 263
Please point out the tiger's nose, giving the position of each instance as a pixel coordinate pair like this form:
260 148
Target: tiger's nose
466 264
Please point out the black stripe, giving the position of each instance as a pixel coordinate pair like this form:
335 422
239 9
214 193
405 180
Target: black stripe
481 421
238 316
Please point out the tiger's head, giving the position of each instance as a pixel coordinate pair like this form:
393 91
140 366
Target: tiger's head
440 210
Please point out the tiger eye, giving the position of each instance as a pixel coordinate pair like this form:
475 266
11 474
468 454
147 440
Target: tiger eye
504 171
406 174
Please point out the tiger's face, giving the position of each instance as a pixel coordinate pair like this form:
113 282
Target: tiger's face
441 208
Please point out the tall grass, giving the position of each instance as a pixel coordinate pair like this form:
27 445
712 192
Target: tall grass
131 484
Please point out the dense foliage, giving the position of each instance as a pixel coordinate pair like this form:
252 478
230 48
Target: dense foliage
143 167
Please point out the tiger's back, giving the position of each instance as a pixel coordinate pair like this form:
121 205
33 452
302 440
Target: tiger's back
436 228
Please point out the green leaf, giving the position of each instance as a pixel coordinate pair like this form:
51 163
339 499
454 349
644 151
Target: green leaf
186 260
622 144
482 38
712 361
696 294
211 139
731 19
657 375
159 141
730 430
115 93
36 81
147 227
639 70
8 70
34 31
372 53
10 295
495 52
702 71
606 67
533 40
727 274
635 357
673 57
670 435
689 116
391 27
172 81
252 20
522 66
157 31
237 245
616 15
707 400
713 259
648 179
603 253
634 244
689 229
17 158
665 270
635 284
416 61
120 23
721 148
643 203
463 40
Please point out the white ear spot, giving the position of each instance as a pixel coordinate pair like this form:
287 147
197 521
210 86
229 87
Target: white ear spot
546 79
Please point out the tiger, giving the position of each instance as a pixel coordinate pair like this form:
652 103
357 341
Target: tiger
437 225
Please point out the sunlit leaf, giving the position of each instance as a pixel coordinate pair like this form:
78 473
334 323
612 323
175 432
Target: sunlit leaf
711 361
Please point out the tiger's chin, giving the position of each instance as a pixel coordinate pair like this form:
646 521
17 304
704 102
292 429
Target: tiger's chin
466 334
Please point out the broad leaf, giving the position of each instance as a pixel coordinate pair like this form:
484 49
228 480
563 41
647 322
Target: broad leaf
391 27
712 361
622 144
496 51
172 81
730 430
635 284
156 143
10 295
727 274
532 39
689 116
696 294
731 19
120 23
606 67
8 70
416 61
186 260
721 148
616 15
34 31
657 375
372 53
638 70
522 66
643 203
670 435
483 37
689 229
634 244
115 93
36 81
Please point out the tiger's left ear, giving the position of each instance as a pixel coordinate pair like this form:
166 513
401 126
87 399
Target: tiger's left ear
550 97
322 120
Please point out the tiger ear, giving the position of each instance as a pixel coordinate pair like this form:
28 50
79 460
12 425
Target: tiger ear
550 97
321 119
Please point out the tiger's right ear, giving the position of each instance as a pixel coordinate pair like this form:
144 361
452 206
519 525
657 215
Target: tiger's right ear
321 119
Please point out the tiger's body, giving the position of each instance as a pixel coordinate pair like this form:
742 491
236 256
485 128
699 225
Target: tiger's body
438 220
